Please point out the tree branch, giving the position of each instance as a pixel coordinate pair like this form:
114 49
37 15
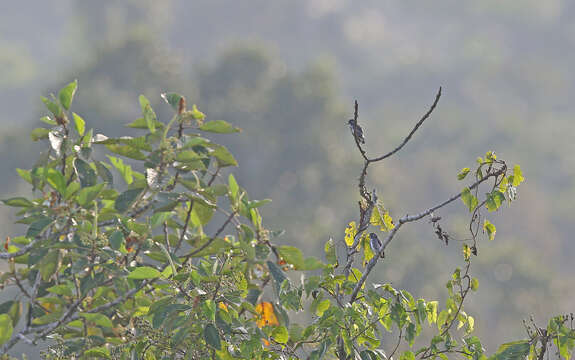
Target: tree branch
20 252
407 219
419 123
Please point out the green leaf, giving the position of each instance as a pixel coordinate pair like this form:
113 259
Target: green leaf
126 199
280 334
469 199
431 308
79 123
5 328
138 143
149 114
330 253
292 255
141 123
196 113
48 120
39 133
85 172
276 272
99 352
49 264
53 107
322 307
88 194
188 156
233 186
407 355
201 213
104 172
56 180
62 289
66 94
257 203
474 284
494 200
212 336
18 202
144 272
223 156
124 169
369 355
517 175
25 174
312 263
98 319
116 240
159 218
173 99
516 350
71 189
38 226
490 228
127 151
219 126
463 173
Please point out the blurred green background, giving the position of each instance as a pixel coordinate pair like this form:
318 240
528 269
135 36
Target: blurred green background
287 72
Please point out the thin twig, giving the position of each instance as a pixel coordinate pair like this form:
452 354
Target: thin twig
186 224
396 345
355 133
207 243
214 176
419 123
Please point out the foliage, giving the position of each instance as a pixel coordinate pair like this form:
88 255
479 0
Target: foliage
148 250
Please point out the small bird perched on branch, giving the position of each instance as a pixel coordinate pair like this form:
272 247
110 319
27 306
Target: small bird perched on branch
375 244
355 128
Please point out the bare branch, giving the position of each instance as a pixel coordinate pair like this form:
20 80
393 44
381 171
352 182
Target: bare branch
419 123
20 252
355 133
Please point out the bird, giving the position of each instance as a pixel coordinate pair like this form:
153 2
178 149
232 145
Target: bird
355 128
375 244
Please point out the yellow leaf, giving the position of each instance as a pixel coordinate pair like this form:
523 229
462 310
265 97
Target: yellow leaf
380 217
388 221
266 315
367 252
466 252
376 219
350 232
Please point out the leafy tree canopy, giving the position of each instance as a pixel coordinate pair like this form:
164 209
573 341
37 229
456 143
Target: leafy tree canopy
147 247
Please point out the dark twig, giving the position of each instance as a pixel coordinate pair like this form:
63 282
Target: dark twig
356 133
396 345
214 176
419 123
186 224
207 243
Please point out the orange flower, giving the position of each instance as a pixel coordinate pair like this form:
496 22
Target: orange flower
266 315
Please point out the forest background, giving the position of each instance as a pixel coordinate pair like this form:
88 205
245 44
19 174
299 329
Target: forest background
287 72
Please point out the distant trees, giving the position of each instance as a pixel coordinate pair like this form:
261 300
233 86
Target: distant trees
146 247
